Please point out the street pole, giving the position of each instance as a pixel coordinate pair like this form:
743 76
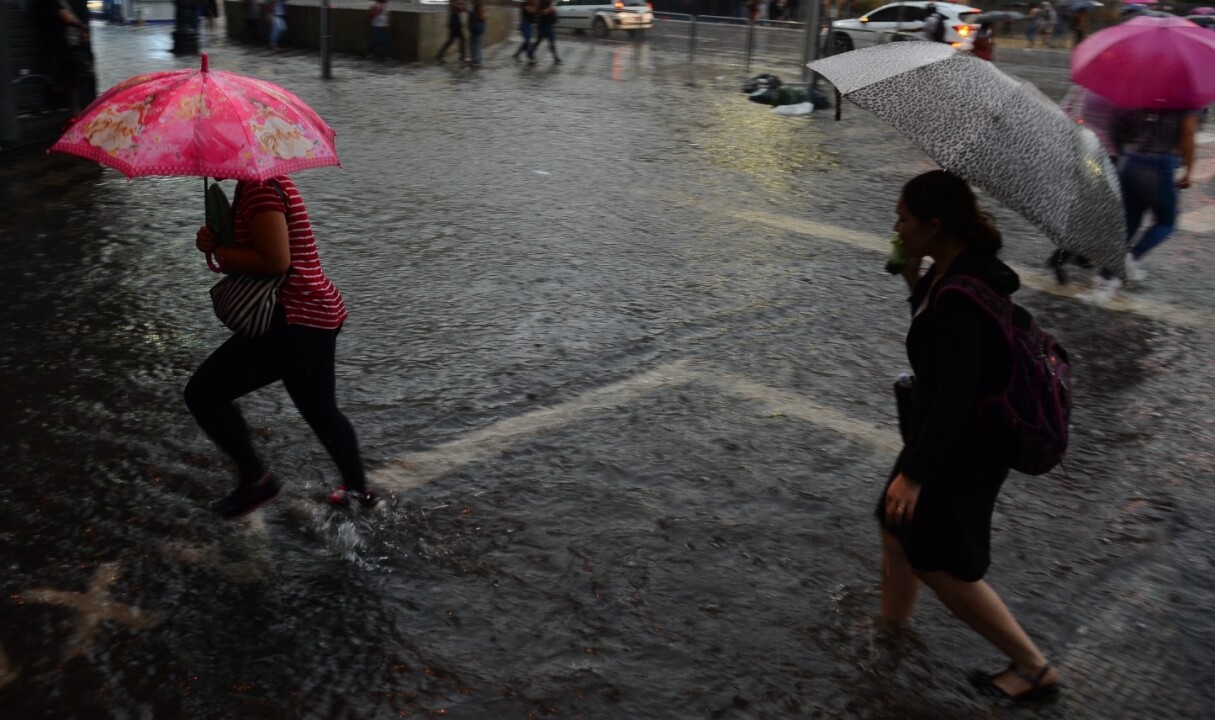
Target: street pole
812 44
326 71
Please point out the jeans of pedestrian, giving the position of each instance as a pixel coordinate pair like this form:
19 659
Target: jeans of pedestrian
379 41
302 358
454 35
545 32
1148 184
525 46
476 32
278 28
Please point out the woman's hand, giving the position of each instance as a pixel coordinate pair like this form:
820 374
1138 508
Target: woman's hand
901 498
205 240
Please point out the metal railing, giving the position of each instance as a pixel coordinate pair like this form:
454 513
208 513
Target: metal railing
731 41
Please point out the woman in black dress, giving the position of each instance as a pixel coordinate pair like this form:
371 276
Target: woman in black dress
936 509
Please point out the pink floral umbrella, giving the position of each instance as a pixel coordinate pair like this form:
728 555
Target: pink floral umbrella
200 123
1149 62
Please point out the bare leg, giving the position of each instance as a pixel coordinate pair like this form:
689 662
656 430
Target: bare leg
978 605
900 586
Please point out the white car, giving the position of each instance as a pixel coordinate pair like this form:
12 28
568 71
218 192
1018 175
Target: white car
602 17
900 20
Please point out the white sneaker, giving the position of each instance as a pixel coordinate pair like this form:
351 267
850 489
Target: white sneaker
1103 291
1134 271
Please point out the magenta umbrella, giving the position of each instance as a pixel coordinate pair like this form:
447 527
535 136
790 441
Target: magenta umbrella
1203 11
1149 62
202 123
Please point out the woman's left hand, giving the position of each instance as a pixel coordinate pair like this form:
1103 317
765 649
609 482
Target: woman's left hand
205 240
901 497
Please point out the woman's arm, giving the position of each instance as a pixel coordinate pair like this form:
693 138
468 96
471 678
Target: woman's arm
268 253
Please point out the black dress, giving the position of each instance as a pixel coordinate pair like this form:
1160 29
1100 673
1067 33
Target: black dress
957 450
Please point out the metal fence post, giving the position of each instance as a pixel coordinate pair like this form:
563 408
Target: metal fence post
326 72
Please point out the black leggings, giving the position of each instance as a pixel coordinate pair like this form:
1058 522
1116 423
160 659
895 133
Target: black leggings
302 357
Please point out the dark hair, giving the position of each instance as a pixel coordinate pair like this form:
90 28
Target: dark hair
941 195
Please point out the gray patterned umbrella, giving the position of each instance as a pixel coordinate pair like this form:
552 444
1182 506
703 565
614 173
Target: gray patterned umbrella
999 133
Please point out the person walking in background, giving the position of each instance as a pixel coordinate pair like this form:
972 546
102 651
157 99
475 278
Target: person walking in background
378 17
1031 27
985 42
278 23
476 32
546 29
933 29
253 22
527 25
935 510
273 237
1152 145
455 29
1047 18
1078 19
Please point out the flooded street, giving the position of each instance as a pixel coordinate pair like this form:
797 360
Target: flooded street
620 350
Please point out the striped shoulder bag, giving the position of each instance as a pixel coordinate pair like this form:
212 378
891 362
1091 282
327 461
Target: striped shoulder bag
245 303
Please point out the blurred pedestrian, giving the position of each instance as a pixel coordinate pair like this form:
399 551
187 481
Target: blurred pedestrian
278 22
546 29
476 31
274 237
985 42
66 36
933 29
379 17
1097 114
527 26
1152 145
455 29
253 21
1047 18
1078 20
1031 26
935 511
1058 35
210 11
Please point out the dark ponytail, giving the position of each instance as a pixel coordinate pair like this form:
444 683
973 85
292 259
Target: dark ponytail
940 195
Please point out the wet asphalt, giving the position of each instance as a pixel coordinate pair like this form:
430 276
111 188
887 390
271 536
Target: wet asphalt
620 351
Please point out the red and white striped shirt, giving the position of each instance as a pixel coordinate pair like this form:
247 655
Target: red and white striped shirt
307 296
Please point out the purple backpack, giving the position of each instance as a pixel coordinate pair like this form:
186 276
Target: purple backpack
1037 402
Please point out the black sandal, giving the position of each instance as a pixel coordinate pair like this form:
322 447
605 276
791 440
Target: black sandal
1037 691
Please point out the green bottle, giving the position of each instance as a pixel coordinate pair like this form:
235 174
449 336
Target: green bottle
897 260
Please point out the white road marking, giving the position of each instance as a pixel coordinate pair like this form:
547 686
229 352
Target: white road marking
1030 277
93 607
420 468
483 444
802 408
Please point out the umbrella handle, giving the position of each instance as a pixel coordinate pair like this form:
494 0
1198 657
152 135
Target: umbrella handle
211 263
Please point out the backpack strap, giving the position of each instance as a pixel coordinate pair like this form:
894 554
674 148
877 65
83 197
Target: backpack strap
999 307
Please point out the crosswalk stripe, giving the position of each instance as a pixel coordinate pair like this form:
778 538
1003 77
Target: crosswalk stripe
1030 277
480 445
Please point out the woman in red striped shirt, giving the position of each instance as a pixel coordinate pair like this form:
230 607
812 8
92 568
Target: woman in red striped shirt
274 236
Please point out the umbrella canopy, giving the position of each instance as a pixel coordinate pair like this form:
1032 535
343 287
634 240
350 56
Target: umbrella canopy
200 123
1149 62
1083 5
1203 11
998 16
997 132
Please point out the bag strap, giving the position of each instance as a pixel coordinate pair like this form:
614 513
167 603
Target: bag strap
999 307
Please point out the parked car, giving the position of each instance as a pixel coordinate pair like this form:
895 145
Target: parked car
604 16
901 20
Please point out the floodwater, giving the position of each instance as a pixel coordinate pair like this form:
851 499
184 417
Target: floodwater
620 352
